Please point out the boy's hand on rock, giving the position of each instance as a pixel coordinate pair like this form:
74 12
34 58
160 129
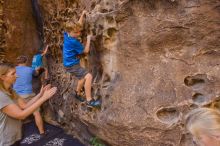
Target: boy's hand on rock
89 37
93 38
84 12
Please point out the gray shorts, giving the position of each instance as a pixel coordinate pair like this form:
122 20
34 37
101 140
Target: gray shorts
78 71
28 97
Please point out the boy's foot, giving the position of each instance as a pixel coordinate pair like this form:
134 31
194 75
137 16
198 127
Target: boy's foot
93 103
79 97
46 133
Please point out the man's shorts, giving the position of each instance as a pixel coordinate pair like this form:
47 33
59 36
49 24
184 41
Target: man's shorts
78 71
28 97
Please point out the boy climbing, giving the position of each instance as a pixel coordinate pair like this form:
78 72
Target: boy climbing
72 49
39 61
23 87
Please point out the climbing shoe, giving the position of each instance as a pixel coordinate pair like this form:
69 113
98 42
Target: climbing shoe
93 103
79 97
45 134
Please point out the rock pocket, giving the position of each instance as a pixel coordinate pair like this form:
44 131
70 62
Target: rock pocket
168 115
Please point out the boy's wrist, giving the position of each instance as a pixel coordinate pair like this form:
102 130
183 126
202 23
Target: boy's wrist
89 37
84 12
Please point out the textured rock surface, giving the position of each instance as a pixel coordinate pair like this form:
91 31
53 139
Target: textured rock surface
156 60
152 61
18 32
1 31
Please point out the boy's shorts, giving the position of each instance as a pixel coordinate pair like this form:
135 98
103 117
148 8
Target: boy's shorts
28 97
78 71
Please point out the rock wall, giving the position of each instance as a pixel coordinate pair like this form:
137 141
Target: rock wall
18 30
152 61
1 31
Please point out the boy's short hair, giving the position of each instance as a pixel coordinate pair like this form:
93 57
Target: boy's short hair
40 51
22 59
73 27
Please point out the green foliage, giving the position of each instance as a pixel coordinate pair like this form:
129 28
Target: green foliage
95 141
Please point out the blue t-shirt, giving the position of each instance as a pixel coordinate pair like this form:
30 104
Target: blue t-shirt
71 48
37 61
23 84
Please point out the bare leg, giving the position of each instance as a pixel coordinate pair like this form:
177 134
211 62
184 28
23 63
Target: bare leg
88 86
80 85
39 121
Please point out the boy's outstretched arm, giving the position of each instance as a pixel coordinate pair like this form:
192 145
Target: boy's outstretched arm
45 51
81 17
87 47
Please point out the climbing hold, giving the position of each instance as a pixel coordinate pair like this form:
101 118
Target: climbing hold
168 115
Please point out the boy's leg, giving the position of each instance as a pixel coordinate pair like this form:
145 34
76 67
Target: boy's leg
84 78
80 85
88 86
39 122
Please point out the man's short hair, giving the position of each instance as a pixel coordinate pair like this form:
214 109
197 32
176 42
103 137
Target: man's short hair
73 27
22 59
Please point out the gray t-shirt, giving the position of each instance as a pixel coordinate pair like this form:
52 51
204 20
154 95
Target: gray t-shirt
10 128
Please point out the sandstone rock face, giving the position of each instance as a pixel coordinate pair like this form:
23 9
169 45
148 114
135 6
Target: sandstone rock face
18 32
2 41
153 61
